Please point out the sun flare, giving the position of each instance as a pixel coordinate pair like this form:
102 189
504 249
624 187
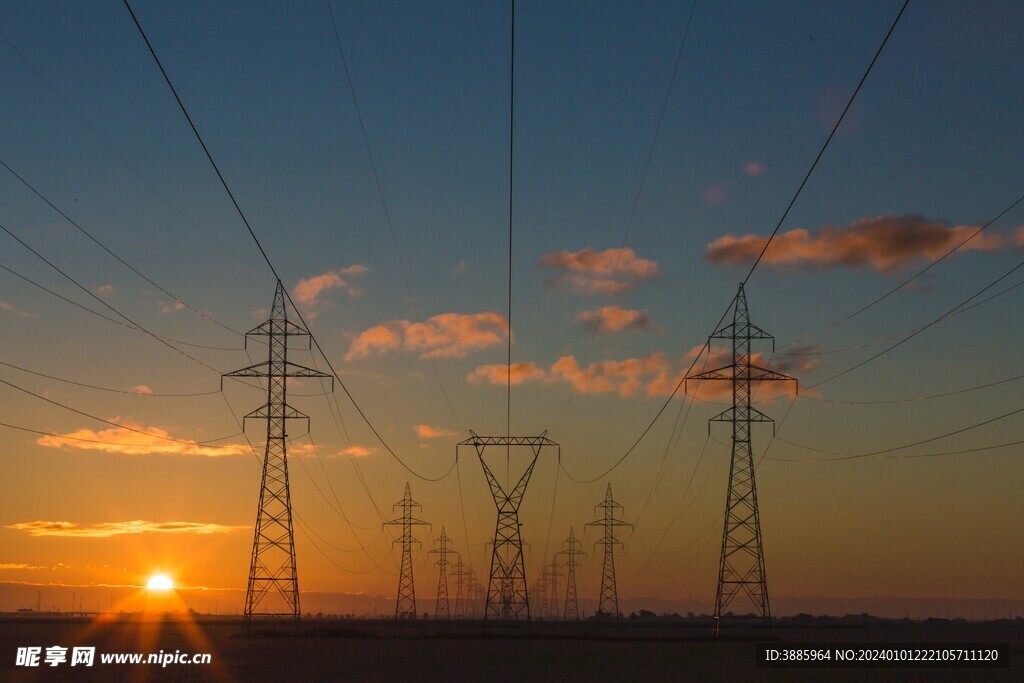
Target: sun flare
160 582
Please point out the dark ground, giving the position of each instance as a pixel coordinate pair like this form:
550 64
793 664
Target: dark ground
364 650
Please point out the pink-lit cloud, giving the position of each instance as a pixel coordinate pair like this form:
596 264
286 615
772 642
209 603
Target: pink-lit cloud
615 319
754 168
886 243
13 310
607 272
308 291
499 374
624 377
715 195
108 529
448 335
171 307
140 389
104 290
428 432
127 442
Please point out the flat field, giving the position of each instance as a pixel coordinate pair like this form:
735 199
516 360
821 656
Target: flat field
378 650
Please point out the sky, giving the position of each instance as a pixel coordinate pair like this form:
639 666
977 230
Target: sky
625 253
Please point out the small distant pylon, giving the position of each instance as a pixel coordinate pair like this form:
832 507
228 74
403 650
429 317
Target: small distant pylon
272 591
609 603
405 606
460 577
542 586
442 546
552 590
571 551
741 567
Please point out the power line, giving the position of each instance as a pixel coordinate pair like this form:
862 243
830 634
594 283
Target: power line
107 249
636 197
205 444
108 389
384 205
118 322
821 152
120 158
266 258
890 457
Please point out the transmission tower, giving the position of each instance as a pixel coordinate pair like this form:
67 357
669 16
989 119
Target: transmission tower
552 590
542 586
442 546
609 604
273 588
506 590
571 552
405 606
460 576
741 569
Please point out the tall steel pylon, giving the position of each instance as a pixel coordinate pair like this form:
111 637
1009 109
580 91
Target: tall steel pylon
741 568
609 603
442 546
405 605
272 591
507 596
571 551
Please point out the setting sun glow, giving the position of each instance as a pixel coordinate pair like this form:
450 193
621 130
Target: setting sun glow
159 582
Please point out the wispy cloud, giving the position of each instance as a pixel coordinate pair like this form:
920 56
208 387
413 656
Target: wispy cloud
499 374
18 565
754 168
140 389
108 529
886 243
448 335
614 319
624 377
308 291
13 310
104 290
428 432
607 272
170 307
127 442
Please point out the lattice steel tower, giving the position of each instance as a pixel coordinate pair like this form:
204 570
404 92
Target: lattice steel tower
571 552
405 605
460 577
609 604
741 569
273 588
442 546
552 589
506 591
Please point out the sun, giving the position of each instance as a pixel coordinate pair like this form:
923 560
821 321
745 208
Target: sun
160 582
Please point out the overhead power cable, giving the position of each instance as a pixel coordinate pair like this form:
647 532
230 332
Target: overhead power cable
266 258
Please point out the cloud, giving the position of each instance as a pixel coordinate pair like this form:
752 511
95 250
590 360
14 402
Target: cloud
309 290
754 168
140 389
448 335
128 442
18 565
499 374
428 432
624 377
607 272
614 319
104 290
715 195
886 243
459 269
13 310
108 529
356 451
166 307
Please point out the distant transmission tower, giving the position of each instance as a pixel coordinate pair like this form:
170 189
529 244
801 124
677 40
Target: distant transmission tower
571 552
405 606
442 546
273 588
741 569
460 576
609 604
552 590
506 591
